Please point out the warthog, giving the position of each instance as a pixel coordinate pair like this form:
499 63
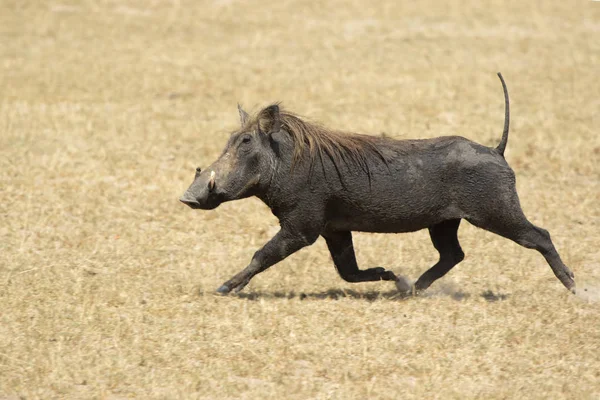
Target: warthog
318 181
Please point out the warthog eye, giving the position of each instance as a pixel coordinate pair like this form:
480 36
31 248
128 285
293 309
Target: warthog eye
246 139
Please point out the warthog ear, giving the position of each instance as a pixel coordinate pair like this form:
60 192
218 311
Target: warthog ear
273 114
243 115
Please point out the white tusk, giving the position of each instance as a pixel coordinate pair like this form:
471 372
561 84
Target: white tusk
211 182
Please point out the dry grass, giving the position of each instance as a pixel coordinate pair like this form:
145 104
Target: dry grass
106 281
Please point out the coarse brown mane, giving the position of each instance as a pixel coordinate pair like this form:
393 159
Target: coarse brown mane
341 147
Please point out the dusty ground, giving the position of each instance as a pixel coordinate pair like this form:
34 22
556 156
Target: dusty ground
106 280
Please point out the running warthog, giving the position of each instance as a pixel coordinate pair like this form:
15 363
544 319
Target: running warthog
325 182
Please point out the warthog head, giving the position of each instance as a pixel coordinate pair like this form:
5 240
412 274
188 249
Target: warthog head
245 164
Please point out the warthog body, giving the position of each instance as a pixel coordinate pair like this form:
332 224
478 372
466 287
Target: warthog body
320 182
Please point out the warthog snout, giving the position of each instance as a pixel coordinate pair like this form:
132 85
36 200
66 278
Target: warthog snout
201 194
185 199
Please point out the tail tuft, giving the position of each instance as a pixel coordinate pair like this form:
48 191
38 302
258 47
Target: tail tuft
502 146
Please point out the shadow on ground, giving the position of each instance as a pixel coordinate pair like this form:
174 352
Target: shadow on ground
336 294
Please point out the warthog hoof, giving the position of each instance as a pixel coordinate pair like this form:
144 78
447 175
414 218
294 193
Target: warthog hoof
403 285
379 273
224 289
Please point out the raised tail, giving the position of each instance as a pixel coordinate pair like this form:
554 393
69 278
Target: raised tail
502 146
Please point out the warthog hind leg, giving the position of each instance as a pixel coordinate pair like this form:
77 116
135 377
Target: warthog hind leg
445 239
516 227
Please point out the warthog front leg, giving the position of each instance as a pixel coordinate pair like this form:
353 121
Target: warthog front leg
342 252
284 243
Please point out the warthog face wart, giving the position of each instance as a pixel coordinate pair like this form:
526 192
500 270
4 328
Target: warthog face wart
322 182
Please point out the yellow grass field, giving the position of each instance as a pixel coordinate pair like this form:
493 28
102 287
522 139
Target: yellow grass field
107 281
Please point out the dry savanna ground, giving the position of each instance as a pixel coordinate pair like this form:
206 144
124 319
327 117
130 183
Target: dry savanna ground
107 281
